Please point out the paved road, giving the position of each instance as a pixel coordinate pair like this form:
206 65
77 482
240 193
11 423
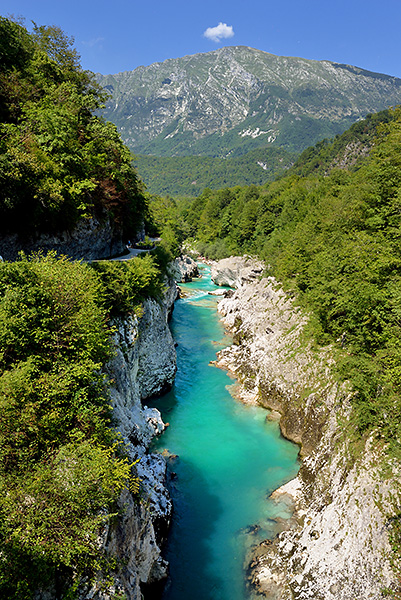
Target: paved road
132 252
135 251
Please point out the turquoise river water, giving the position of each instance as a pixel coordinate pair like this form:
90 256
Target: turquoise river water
229 459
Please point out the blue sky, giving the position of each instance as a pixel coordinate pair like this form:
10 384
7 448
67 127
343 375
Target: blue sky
118 35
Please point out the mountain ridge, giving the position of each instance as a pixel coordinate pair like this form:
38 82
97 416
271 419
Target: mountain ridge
235 99
352 68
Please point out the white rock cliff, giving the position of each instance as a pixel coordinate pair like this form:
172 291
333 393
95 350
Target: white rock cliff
183 269
144 364
337 547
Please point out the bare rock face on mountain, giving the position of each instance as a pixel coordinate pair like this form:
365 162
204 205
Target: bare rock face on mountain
234 99
337 547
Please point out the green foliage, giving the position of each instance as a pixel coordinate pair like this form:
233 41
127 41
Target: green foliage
213 250
58 509
189 175
57 45
49 307
346 150
59 162
61 465
168 219
126 284
15 45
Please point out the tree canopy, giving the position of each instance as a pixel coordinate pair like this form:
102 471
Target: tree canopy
59 161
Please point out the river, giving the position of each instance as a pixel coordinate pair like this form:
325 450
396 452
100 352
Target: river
228 460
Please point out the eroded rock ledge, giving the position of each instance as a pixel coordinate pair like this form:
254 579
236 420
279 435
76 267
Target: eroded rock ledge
338 548
91 239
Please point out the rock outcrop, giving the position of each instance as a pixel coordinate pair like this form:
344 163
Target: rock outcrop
236 270
144 364
183 269
91 239
338 547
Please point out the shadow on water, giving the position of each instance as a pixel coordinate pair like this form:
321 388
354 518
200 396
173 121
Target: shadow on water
189 550
196 511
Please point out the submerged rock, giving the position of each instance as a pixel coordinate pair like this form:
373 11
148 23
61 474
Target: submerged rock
251 529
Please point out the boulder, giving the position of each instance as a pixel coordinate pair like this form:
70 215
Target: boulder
183 269
236 270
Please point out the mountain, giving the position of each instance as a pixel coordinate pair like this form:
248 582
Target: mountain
346 151
235 99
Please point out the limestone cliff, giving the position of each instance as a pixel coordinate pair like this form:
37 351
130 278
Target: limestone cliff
91 239
183 269
337 547
144 364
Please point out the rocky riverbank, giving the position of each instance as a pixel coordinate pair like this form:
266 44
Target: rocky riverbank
183 269
337 547
144 365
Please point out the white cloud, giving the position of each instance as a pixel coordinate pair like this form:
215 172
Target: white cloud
93 42
216 34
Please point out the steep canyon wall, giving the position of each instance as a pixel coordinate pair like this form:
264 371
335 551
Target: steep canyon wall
144 364
337 547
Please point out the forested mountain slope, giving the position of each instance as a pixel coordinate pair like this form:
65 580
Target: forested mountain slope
190 175
235 99
334 239
345 151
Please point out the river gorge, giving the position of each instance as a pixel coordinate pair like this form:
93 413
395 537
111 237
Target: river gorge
234 438
225 460
248 385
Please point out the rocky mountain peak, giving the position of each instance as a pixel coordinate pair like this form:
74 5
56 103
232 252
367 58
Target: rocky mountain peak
237 98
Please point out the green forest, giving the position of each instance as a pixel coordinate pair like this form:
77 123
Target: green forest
190 175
